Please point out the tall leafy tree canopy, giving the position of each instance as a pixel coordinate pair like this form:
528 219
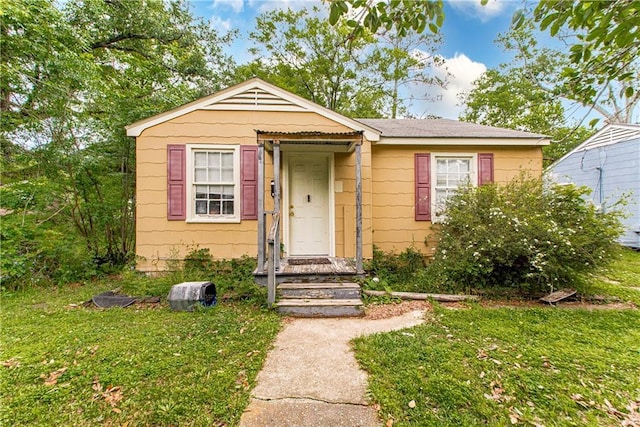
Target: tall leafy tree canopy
603 55
301 52
607 42
72 76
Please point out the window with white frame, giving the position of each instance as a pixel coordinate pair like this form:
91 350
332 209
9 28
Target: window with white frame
215 184
449 171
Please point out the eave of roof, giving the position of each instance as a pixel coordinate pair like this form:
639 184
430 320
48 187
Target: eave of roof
628 132
136 128
395 131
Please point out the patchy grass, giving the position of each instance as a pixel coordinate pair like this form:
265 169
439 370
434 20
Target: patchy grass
506 366
70 365
621 279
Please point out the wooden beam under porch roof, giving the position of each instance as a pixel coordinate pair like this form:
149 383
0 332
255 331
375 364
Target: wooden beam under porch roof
272 141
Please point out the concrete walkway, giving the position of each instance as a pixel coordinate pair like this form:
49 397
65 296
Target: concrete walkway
311 377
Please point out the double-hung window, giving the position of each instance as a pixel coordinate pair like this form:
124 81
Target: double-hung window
449 171
215 184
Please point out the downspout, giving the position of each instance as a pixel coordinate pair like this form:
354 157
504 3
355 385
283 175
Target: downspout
601 189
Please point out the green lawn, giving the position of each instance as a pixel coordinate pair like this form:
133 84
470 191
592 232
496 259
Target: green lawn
503 366
621 279
65 365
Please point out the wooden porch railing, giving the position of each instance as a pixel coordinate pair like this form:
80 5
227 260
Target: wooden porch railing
273 258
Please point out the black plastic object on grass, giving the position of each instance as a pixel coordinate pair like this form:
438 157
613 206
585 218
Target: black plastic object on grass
112 299
185 296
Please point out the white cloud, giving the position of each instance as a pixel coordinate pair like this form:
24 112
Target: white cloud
236 5
475 9
463 71
268 5
219 23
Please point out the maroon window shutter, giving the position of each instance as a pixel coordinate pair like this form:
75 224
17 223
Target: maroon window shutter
249 182
423 186
485 168
176 182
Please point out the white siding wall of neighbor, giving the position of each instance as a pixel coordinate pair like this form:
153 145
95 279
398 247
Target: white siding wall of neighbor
611 171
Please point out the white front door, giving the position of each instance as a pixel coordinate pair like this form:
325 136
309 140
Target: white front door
308 208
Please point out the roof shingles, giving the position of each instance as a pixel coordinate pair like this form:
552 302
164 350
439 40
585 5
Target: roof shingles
441 128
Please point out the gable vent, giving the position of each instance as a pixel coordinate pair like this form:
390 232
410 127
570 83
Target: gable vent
255 98
613 135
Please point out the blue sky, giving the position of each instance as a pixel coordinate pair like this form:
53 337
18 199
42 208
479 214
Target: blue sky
469 33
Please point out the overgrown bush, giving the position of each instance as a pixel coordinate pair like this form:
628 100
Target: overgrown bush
395 271
233 278
529 234
35 255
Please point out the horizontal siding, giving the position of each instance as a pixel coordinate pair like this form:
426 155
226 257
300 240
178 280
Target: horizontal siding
620 165
158 239
394 224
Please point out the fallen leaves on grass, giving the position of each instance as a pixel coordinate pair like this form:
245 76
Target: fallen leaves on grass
580 400
11 363
632 419
514 415
52 378
241 381
112 394
497 393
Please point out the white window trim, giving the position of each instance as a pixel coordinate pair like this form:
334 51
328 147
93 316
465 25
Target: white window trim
191 215
434 158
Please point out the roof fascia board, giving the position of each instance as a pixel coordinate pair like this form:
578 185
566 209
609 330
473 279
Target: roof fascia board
135 129
464 141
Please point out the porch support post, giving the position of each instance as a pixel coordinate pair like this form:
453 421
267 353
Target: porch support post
359 268
261 214
276 197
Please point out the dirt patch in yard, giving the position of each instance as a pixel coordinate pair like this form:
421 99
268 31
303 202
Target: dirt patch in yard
384 311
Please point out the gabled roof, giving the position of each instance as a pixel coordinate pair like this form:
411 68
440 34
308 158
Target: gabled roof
256 95
608 135
411 131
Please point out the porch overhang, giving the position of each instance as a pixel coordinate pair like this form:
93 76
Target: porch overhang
276 141
332 141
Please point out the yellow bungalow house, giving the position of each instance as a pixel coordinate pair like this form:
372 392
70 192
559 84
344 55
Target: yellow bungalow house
254 164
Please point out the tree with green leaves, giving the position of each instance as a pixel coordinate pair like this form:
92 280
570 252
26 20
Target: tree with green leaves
302 53
611 96
506 97
299 51
402 16
407 62
72 77
603 59
606 46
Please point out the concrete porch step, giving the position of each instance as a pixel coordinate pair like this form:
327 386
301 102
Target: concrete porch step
347 290
320 307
